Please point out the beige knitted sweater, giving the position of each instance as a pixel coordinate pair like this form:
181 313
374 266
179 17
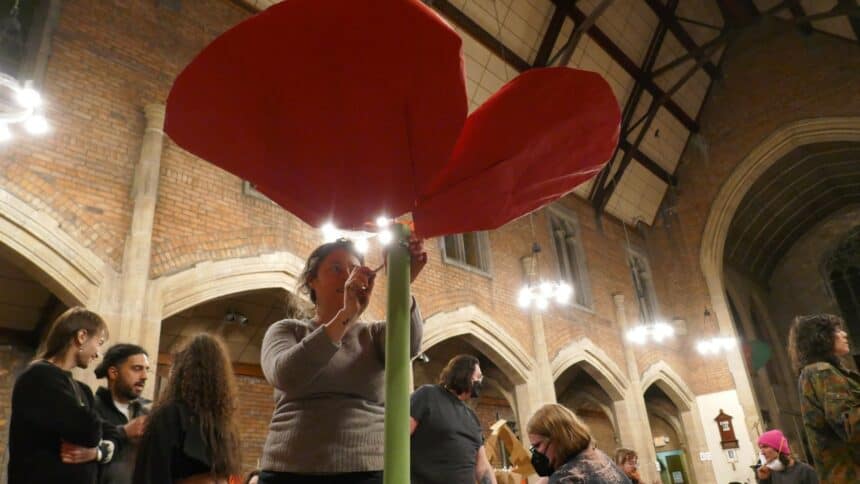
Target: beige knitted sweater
329 398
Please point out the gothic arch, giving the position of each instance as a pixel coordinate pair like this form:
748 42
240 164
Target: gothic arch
502 349
70 270
211 280
662 375
595 362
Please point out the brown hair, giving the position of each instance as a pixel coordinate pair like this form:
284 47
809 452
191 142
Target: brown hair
312 266
457 374
65 328
562 427
202 379
811 339
623 455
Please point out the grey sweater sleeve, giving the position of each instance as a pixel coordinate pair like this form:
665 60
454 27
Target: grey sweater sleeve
416 333
291 359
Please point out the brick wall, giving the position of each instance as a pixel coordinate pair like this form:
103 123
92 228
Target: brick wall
255 412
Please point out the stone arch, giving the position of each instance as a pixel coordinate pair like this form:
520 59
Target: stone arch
210 280
596 363
480 329
662 375
776 146
586 398
62 264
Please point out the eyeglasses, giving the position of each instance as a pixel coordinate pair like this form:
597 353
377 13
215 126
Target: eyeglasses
534 448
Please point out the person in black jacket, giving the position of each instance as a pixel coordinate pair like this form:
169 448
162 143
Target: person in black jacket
191 435
126 367
55 434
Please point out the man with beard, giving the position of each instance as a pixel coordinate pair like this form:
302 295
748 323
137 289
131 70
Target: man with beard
126 367
447 445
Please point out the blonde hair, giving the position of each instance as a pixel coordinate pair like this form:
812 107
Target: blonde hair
561 426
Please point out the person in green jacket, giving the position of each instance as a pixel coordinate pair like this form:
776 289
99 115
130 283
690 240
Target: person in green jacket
829 395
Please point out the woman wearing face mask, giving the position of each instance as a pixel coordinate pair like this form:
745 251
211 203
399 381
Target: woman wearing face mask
562 449
829 395
328 372
777 464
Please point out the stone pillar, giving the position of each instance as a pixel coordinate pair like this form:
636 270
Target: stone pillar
134 280
543 384
631 413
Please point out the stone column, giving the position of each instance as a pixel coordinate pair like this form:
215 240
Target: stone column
134 280
632 415
543 383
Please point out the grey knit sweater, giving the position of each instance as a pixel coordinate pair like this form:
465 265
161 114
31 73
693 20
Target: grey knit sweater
329 398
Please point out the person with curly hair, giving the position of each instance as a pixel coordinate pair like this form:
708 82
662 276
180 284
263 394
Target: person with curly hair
563 449
829 395
329 372
191 436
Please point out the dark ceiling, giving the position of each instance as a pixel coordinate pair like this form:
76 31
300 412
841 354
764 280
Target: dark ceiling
800 190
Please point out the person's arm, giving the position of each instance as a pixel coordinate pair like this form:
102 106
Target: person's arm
484 473
46 400
841 408
418 407
289 362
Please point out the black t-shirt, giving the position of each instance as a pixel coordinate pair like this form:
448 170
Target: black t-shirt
445 444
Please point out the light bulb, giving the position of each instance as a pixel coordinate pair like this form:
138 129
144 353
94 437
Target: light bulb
545 289
385 237
361 245
5 134
563 291
329 232
382 221
541 303
524 298
36 124
28 98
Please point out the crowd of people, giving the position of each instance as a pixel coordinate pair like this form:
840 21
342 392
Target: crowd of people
327 425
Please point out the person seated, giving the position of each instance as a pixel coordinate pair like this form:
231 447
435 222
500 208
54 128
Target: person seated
562 449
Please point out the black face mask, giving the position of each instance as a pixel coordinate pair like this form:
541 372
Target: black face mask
541 464
476 389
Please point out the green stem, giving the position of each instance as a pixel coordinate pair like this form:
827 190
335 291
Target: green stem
397 361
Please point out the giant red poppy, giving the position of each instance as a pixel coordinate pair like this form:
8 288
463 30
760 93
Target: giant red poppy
341 111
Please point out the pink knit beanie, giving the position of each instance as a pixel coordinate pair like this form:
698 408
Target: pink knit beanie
775 440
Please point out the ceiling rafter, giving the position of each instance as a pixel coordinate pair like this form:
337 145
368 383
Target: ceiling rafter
666 15
626 63
798 12
480 34
601 191
656 104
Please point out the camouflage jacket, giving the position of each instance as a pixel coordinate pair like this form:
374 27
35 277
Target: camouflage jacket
830 404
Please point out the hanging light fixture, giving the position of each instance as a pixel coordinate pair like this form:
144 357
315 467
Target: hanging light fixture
360 238
658 332
542 293
715 344
19 103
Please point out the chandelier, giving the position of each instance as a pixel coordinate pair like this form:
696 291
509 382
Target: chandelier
20 104
657 332
715 344
540 294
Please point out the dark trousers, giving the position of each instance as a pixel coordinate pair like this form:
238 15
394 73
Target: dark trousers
373 477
